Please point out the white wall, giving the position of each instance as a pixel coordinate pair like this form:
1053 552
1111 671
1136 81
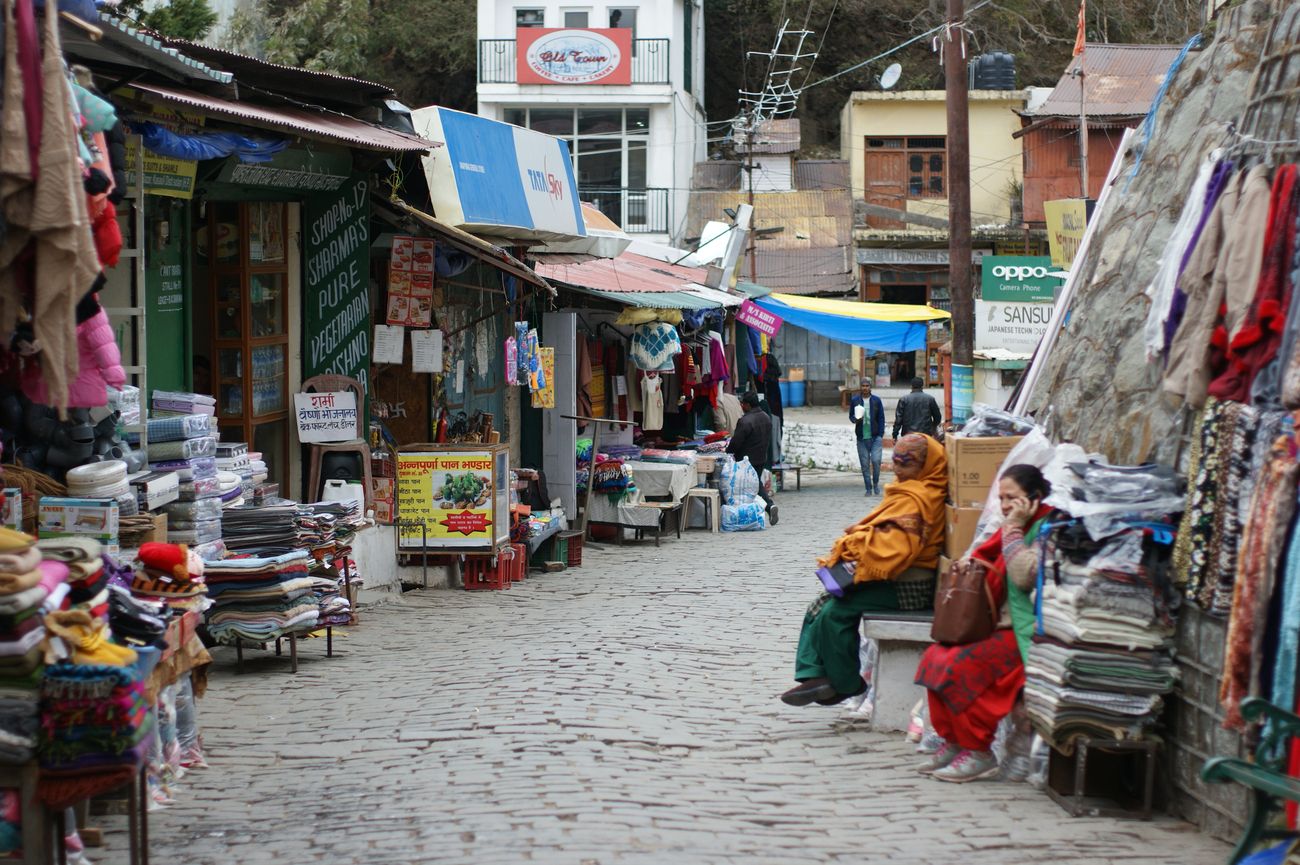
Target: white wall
654 20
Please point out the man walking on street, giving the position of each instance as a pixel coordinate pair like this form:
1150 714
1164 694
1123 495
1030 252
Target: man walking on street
867 414
917 412
753 438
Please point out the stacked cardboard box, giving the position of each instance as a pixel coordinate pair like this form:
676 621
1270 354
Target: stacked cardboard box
973 464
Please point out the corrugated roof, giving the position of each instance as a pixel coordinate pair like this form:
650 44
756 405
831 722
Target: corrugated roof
826 174
328 125
628 272
806 271
1118 80
309 83
121 43
650 299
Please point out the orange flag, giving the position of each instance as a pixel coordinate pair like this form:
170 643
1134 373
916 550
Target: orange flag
1080 37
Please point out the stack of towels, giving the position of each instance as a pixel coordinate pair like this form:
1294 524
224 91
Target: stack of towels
30 587
1104 659
258 599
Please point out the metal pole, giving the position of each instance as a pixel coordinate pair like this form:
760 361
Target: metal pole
959 254
753 234
1083 132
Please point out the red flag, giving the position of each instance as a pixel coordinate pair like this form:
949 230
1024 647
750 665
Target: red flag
1080 37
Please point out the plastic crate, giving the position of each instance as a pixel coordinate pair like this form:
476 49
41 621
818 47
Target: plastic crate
486 572
518 562
574 540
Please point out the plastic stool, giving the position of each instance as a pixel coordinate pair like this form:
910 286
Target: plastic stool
712 500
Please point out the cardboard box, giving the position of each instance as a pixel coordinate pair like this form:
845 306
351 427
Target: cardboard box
944 564
67 517
959 525
155 489
973 464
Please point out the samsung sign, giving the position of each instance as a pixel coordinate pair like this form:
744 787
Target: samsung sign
499 180
1017 278
545 56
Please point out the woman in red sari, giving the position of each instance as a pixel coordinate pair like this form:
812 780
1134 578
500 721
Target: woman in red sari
973 687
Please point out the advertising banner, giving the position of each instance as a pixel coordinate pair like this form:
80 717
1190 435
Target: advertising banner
963 392
546 55
460 497
1018 278
336 270
325 417
163 175
1066 221
410 282
1014 327
759 319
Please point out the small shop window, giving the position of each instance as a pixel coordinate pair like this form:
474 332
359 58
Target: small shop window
525 18
578 18
515 116
1010 377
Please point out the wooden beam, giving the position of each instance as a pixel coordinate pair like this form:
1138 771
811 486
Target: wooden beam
882 212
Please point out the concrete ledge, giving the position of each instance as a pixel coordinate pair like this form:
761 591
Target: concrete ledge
902 640
897 630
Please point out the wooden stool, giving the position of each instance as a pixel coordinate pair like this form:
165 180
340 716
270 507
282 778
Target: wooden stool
712 501
358 446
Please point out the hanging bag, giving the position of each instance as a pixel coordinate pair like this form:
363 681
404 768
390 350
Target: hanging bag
965 610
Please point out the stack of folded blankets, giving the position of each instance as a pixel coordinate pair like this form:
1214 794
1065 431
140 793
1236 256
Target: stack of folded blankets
29 588
257 465
613 478
1104 658
656 455
170 403
170 574
234 464
194 522
258 599
264 531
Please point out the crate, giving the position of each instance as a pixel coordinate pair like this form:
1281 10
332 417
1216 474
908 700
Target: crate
518 562
553 549
486 572
574 540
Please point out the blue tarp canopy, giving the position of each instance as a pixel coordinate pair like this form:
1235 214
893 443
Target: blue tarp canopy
872 326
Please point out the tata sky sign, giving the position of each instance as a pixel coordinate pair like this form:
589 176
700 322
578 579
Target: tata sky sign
1018 278
498 180
549 56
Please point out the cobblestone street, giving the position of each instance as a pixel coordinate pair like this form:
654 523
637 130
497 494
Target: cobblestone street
624 712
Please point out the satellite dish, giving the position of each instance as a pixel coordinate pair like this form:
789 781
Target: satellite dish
891 75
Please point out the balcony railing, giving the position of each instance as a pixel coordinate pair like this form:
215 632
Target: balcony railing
638 211
496 61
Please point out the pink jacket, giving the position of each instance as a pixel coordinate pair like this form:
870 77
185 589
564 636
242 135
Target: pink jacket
99 365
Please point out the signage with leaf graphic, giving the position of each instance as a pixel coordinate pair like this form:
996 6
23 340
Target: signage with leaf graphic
451 496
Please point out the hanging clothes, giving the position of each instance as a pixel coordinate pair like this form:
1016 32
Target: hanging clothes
596 357
1254 344
718 368
1288 362
655 345
653 400
584 382
1219 281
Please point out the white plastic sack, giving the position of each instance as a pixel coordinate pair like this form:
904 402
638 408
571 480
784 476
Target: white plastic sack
748 517
739 482
1034 449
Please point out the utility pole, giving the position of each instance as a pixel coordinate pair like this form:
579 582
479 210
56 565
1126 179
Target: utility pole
1083 132
959 255
749 172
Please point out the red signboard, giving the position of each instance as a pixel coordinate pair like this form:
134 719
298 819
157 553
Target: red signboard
759 319
570 56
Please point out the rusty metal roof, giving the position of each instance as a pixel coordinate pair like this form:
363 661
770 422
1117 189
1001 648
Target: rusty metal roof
628 272
779 135
321 123
1118 80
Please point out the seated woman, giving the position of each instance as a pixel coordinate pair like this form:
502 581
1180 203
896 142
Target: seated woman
973 687
894 550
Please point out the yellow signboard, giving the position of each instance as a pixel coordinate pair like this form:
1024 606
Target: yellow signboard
163 175
1066 221
453 498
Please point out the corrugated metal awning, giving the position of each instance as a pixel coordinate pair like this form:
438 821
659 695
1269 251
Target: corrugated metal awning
649 299
323 124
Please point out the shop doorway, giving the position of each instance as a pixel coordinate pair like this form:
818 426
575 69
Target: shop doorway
241 325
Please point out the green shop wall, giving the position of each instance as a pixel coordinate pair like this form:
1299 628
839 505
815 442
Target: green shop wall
167 294
336 271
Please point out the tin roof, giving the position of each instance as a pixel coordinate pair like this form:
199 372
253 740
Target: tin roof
121 44
1118 80
628 272
320 123
779 135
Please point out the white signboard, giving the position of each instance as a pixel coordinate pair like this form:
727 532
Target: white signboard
1015 327
325 417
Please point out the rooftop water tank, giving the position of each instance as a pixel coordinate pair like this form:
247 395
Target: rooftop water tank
993 71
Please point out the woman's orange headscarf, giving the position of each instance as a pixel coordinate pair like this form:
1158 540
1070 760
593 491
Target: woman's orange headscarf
906 529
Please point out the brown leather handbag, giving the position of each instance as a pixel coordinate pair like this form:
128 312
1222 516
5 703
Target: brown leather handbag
965 610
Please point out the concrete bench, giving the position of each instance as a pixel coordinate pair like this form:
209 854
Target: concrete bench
902 639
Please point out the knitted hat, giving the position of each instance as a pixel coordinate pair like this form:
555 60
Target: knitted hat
172 559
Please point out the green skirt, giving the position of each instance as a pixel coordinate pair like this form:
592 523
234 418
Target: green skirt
828 643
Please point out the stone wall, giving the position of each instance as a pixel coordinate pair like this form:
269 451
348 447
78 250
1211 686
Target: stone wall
820 446
1097 387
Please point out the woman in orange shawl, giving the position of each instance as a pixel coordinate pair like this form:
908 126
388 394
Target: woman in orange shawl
894 551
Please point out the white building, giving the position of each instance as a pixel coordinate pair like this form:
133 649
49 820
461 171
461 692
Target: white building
623 83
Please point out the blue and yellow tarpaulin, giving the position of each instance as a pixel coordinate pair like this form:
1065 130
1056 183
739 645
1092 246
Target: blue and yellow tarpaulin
872 326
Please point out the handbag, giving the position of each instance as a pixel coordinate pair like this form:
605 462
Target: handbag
964 608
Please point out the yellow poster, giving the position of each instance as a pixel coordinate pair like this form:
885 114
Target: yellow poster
1066 221
162 174
453 495
545 397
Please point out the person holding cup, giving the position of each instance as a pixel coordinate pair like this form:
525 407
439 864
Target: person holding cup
867 414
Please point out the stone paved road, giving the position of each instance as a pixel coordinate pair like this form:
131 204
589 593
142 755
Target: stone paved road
625 712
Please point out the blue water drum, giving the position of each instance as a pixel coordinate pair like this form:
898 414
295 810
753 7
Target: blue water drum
798 390
784 387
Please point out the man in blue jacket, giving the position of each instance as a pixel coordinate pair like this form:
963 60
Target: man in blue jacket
867 413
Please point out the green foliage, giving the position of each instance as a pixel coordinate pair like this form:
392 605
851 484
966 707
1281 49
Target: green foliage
179 19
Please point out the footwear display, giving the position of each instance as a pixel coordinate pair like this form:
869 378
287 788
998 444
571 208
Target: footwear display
968 766
809 692
940 759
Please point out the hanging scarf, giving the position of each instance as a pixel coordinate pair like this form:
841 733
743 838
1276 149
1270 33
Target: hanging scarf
906 529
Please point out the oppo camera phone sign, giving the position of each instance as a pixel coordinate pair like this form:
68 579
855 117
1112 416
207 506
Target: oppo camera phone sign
1018 278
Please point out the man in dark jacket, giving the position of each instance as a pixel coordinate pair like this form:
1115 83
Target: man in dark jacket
917 412
753 438
867 413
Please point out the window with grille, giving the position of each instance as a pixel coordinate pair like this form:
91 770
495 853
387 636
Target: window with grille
925 160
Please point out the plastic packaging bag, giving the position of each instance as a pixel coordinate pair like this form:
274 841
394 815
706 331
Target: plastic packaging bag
750 517
739 482
987 421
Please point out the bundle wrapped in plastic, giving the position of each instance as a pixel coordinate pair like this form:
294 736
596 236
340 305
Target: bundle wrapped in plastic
739 484
748 517
986 421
